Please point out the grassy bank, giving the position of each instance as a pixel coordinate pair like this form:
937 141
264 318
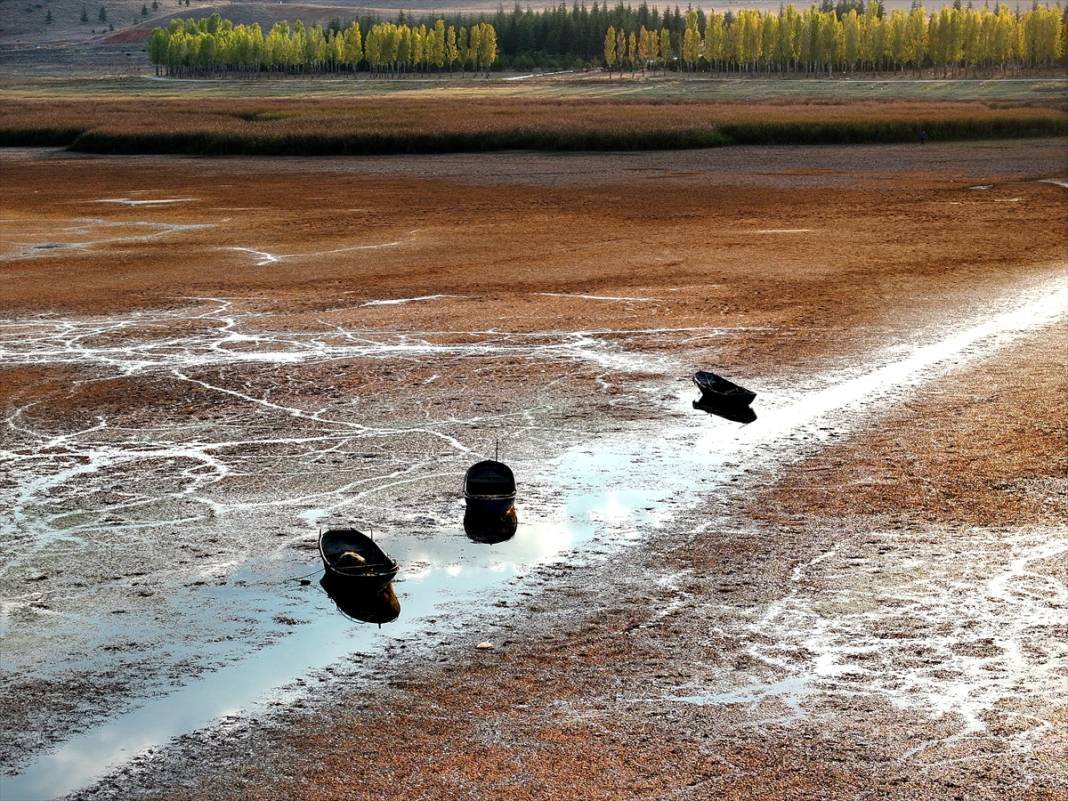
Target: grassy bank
456 123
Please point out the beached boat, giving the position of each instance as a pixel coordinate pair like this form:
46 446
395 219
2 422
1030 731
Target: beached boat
489 488
718 388
353 556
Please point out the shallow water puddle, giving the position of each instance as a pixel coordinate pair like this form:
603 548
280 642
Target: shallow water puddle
607 492
608 298
263 257
126 201
402 301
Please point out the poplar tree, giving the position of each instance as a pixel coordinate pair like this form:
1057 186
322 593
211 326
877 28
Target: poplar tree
914 42
487 47
851 38
610 49
461 49
452 48
437 45
713 44
352 45
691 41
645 52
474 36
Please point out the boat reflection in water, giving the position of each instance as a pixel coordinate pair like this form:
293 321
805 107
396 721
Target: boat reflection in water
728 411
490 528
362 604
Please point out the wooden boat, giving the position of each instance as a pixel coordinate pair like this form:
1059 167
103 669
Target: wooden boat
489 488
718 388
363 604
353 556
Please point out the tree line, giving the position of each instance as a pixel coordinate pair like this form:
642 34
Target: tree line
824 40
213 45
848 35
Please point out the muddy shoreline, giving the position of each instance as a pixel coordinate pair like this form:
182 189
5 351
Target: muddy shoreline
691 612
147 432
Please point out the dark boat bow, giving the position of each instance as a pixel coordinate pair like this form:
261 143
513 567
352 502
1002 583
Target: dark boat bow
717 390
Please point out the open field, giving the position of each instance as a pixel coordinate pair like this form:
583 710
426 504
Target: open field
120 74
203 360
464 121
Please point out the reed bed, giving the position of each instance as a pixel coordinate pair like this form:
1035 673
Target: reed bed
384 125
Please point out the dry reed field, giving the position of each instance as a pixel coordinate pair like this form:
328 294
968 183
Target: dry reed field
448 123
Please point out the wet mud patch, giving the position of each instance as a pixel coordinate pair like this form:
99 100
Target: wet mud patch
157 459
295 390
756 684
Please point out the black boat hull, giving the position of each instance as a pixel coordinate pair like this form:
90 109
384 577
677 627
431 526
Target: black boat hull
489 488
372 570
715 389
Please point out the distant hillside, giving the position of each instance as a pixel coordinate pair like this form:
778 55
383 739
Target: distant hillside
266 14
24 23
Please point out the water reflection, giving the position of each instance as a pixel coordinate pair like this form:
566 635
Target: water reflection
376 605
728 411
490 529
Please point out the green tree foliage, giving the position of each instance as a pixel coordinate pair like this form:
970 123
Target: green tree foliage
665 47
215 45
847 35
854 36
487 46
691 41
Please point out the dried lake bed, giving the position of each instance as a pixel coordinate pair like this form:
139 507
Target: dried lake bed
168 464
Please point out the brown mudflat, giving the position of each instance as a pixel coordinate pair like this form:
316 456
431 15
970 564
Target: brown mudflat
796 638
